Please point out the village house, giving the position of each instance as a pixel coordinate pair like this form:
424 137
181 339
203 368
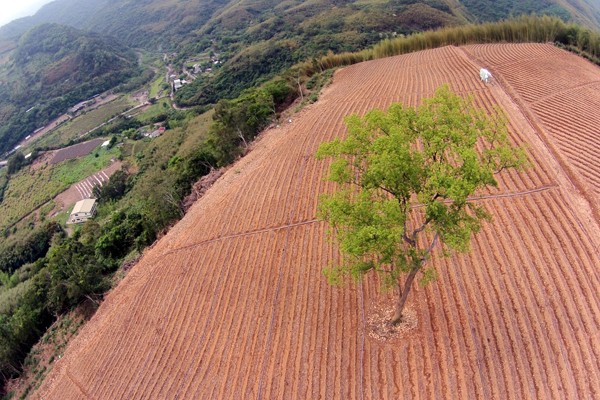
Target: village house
84 210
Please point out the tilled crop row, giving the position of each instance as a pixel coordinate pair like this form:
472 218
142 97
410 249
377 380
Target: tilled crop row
561 90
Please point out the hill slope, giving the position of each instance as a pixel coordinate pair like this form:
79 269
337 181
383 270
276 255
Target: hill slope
232 304
53 68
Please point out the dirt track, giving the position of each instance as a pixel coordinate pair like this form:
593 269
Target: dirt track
231 303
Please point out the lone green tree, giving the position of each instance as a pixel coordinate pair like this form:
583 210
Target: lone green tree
406 180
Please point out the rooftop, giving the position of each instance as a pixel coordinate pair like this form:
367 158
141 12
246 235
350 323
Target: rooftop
84 206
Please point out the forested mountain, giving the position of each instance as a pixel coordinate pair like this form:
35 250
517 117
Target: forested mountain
253 39
156 23
258 38
52 68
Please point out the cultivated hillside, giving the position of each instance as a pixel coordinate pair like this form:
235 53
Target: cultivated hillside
231 303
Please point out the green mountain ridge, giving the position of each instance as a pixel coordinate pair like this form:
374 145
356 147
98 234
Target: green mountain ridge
154 23
52 68
253 40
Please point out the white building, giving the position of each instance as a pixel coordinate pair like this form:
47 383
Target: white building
84 210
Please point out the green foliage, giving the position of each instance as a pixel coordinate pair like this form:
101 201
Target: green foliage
114 189
406 177
74 273
3 183
487 10
238 121
18 161
15 163
124 231
23 249
21 326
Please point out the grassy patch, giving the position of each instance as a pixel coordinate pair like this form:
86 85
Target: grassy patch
156 88
161 107
63 216
71 171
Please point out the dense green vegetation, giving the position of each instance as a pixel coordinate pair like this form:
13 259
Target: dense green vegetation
488 10
246 42
53 68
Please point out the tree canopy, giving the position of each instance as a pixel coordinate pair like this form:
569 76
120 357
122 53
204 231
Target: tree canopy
406 180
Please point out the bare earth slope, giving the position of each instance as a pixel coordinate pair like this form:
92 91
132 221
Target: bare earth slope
231 304
561 95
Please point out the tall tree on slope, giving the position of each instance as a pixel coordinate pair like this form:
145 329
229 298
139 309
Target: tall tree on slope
406 178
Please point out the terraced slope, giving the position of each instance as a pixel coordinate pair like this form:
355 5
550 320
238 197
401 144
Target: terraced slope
562 94
231 303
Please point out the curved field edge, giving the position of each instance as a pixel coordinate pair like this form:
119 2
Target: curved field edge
231 303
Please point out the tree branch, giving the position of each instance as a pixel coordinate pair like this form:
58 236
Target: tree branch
420 229
430 249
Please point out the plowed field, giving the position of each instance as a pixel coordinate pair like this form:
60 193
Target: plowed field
561 96
75 151
231 304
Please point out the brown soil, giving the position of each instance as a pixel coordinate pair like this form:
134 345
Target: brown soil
231 303
378 322
560 94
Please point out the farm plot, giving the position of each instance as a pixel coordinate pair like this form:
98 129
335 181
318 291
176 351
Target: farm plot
562 93
231 303
33 187
75 151
85 123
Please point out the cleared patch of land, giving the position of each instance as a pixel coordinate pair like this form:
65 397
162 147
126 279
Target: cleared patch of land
83 189
231 303
76 151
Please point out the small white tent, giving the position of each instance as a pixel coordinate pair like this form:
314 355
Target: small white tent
485 75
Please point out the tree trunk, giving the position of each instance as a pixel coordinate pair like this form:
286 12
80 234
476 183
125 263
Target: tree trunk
397 318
